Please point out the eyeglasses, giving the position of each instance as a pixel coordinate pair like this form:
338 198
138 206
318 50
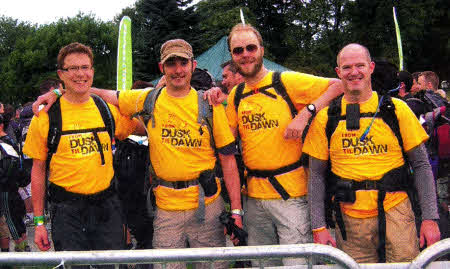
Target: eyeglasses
240 50
74 69
172 62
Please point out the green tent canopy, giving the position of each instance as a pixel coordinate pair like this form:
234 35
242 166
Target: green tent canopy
218 54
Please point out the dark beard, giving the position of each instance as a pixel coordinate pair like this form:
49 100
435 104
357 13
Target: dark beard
258 66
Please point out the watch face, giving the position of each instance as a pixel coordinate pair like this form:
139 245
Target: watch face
311 108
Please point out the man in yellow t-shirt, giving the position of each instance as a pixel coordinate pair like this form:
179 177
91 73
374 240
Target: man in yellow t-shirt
276 208
363 150
85 209
183 157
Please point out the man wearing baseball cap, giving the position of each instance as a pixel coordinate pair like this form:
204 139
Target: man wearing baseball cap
183 156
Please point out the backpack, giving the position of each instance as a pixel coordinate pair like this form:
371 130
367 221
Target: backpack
21 134
202 80
385 111
55 127
280 89
439 129
11 171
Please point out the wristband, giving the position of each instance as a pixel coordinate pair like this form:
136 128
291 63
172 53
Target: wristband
38 221
57 92
318 229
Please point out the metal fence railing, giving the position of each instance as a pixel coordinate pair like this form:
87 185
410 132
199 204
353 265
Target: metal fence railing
209 255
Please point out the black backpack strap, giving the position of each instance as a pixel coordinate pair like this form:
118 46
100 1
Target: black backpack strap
238 95
105 112
334 115
54 130
281 90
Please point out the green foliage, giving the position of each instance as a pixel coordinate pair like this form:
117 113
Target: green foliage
301 35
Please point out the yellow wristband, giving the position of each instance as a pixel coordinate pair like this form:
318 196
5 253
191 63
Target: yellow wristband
319 229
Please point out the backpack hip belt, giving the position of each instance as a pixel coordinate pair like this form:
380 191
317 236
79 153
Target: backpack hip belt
270 175
394 180
206 187
58 194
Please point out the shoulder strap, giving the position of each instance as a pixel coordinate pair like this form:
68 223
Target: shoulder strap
205 116
334 115
106 114
54 129
238 95
149 106
278 85
387 113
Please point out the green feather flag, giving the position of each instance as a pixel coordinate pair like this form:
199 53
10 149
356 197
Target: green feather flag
399 41
124 56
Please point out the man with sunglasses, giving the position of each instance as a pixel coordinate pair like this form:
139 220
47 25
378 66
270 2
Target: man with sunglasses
276 207
369 174
85 209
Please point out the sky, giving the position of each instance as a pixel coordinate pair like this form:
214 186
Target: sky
48 11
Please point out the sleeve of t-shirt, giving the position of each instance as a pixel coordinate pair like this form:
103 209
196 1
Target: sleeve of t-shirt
125 125
316 141
36 142
411 130
231 110
132 101
223 137
303 88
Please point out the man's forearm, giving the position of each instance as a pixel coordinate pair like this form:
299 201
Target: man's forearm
316 191
335 89
231 178
38 187
109 96
424 181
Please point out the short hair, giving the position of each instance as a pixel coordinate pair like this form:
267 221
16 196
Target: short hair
140 84
49 83
74 48
431 77
366 50
407 78
241 28
415 76
231 65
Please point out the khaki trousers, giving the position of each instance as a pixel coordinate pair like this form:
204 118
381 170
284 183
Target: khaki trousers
402 244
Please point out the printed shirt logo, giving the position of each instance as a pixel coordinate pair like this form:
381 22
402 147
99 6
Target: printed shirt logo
176 133
253 118
351 145
84 144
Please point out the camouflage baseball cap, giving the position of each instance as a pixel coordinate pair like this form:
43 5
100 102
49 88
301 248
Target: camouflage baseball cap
176 47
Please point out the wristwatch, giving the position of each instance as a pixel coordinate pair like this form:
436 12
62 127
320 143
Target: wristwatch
239 212
311 108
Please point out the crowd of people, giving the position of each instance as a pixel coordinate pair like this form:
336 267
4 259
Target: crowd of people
293 155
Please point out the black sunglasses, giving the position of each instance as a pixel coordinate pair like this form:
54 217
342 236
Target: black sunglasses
240 50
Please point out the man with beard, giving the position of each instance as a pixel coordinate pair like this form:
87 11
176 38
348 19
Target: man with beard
369 177
276 206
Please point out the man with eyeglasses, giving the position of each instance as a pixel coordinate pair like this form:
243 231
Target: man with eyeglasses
276 205
183 157
85 210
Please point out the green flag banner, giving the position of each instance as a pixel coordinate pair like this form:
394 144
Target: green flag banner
399 41
124 57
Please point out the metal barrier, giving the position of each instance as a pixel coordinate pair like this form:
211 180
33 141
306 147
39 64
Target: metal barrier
68 258
261 253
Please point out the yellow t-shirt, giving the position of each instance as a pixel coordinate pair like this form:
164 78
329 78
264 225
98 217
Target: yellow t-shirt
76 165
261 121
179 150
370 159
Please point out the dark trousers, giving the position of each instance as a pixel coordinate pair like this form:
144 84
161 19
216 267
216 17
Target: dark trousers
87 225
13 208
